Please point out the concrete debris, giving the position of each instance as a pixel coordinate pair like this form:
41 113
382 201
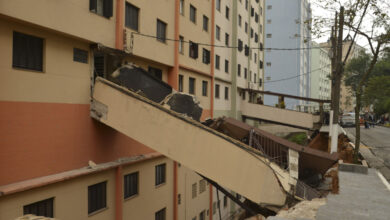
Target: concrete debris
91 164
183 103
33 217
141 82
302 210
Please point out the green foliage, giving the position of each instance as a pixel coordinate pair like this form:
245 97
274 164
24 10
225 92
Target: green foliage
356 69
377 93
298 138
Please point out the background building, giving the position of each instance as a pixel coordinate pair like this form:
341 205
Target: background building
287 25
320 75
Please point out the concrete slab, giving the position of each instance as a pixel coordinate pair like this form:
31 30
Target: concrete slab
353 168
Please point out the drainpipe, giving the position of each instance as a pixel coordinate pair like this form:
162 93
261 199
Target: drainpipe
119 25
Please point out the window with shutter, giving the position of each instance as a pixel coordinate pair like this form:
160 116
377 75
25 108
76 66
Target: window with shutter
27 52
96 197
161 31
161 214
130 185
160 174
131 16
41 208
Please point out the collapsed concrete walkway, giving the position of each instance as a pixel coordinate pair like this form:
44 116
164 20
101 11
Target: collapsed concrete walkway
362 196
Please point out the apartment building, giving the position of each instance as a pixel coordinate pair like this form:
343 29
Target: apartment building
239 61
320 75
287 71
55 159
347 98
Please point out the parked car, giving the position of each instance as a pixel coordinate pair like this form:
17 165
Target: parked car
347 120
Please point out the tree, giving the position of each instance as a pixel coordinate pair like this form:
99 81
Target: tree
375 29
377 93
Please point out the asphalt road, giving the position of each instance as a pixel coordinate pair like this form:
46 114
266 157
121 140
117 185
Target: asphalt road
378 140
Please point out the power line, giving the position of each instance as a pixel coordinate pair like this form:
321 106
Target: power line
278 80
224 46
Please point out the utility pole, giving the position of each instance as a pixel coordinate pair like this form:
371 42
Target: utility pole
337 72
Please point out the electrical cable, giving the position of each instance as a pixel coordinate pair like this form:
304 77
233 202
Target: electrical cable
278 80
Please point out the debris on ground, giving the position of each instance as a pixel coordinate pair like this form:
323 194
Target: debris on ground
303 210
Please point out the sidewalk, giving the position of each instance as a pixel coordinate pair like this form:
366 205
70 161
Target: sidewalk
362 196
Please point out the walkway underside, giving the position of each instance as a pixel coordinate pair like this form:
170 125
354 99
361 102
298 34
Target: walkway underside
220 158
279 115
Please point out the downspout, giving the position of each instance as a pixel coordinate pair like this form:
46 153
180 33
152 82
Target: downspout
212 57
119 24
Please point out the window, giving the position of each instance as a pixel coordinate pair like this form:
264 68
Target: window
218 5
226 92
269 35
226 66
256 38
261 64
252 12
204 88
217 62
194 187
256 18
214 207
181 44
41 208
240 45
251 32
155 72
191 86
261 29
160 174
269 7
239 69
246 5
246 50
205 23
130 185
202 215
218 32
245 73
101 7
202 185
193 50
243 95
181 83
269 21
246 27
226 39
161 30
255 60
206 56
131 16
80 55
269 64
227 11
217 91
181 7
192 13
160 215
96 197
239 20
255 80
27 52
225 201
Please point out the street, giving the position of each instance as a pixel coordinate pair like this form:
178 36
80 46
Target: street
378 140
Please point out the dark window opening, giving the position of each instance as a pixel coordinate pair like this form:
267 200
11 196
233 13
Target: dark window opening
96 197
161 30
101 7
239 69
160 174
240 45
27 52
204 88
181 83
226 92
217 91
160 215
193 50
226 39
191 86
41 208
217 62
130 185
80 55
245 73
226 66
205 23
227 12
131 16
206 56
192 13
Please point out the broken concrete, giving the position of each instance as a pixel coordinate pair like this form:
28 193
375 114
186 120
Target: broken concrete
184 104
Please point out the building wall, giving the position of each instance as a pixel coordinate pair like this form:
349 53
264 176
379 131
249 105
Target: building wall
287 27
71 196
55 16
320 74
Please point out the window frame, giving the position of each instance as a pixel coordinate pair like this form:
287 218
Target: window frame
191 85
160 174
47 204
226 93
21 55
204 88
217 87
205 23
127 192
181 83
163 212
164 26
226 66
217 61
192 14
129 6
92 209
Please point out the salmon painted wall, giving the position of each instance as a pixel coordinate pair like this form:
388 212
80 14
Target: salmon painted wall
39 139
